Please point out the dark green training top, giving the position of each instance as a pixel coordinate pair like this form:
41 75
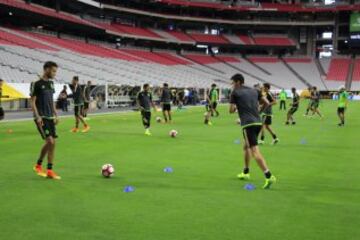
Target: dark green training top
44 91
87 91
145 99
247 103
268 111
77 94
166 96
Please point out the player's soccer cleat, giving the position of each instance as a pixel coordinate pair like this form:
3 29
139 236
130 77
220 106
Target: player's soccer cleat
147 132
39 171
293 123
286 123
269 182
243 176
261 142
52 175
74 130
86 129
275 141
209 123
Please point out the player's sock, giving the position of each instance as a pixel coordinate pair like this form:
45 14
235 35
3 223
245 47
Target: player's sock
267 174
246 170
39 162
206 121
49 166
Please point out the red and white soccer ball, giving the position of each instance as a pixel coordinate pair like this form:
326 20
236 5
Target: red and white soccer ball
158 119
173 133
107 170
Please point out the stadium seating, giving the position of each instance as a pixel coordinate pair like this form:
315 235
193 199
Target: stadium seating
208 38
273 41
45 11
338 70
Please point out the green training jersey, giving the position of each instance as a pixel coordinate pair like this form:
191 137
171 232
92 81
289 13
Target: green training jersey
343 98
283 96
214 95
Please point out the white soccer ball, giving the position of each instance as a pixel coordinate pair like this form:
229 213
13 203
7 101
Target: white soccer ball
173 133
238 121
158 119
107 170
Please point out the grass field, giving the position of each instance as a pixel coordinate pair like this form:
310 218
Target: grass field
317 195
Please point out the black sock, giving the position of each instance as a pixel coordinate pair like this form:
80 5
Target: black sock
49 166
262 137
39 162
267 174
246 170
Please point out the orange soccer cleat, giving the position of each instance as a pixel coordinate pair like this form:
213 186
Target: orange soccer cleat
39 171
86 129
51 174
74 130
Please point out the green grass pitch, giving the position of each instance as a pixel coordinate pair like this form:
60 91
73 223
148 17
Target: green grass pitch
317 195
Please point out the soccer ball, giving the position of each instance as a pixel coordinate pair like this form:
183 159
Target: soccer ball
173 133
107 170
158 119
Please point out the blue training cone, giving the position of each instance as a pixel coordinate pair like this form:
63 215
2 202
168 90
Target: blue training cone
303 141
249 187
168 170
129 189
237 141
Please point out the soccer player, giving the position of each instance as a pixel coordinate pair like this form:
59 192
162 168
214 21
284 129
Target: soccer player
310 90
212 99
315 102
267 116
2 113
165 100
342 105
294 107
45 116
283 97
87 91
145 102
78 97
246 101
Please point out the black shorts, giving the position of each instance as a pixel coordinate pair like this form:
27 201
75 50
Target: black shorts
293 110
86 105
166 107
2 113
48 128
267 119
315 105
213 105
78 110
251 135
341 110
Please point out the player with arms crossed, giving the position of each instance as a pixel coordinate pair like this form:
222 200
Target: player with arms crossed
145 102
45 115
267 116
342 105
78 96
165 99
246 101
294 107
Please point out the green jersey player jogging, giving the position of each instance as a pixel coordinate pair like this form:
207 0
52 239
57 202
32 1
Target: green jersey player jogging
246 101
